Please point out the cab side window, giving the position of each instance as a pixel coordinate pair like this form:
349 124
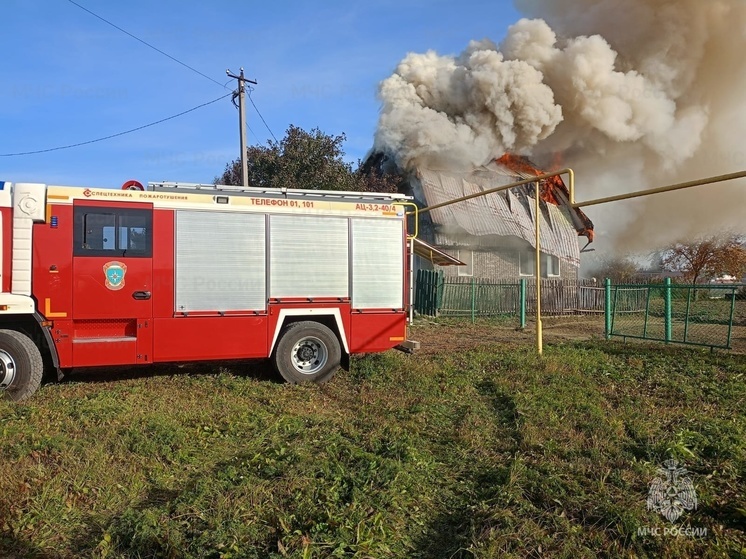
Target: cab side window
113 232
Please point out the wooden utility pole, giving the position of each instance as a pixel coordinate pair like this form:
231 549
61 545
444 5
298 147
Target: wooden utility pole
241 94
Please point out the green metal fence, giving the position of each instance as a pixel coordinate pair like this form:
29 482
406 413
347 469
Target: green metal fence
436 295
475 299
428 292
703 315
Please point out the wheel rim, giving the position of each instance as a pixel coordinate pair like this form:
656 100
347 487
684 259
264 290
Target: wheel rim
309 355
7 369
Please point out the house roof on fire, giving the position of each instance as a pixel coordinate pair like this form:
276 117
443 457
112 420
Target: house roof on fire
487 221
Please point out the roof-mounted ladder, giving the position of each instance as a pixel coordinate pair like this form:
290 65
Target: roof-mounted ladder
289 193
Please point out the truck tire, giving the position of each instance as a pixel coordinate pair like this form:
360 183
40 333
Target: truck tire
21 365
306 352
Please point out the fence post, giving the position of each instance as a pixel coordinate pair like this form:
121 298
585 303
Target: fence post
732 312
473 300
668 326
522 296
440 283
607 308
423 298
688 308
647 314
427 295
418 292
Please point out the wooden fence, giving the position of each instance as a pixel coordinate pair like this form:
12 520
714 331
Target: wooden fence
560 296
436 295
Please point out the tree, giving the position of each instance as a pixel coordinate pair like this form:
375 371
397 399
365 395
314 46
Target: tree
308 160
707 257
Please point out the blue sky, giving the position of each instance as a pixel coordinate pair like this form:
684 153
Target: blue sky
68 77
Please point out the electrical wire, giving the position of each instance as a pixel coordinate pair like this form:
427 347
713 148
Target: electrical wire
260 114
233 100
146 43
118 133
222 85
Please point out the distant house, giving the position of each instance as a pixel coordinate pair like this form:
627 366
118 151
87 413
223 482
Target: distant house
494 236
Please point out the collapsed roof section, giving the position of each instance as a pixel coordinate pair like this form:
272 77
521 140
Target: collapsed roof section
501 219
553 190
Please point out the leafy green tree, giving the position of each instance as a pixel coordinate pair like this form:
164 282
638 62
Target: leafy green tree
309 160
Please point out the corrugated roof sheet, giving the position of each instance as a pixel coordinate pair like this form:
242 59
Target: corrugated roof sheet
486 221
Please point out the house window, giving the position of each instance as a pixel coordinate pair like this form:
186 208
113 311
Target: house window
113 232
550 266
467 257
527 263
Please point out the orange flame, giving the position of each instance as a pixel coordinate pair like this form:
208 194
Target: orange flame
558 161
550 188
522 166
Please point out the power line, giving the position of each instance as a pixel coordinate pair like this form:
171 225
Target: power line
146 43
260 115
117 134
222 85
233 100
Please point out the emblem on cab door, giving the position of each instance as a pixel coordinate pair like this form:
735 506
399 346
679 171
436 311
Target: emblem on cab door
114 273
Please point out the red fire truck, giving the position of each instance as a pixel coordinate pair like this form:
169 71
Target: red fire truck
181 272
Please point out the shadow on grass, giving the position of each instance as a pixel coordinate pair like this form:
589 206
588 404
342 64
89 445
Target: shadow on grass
15 548
259 369
165 520
90 541
467 514
180 522
617 346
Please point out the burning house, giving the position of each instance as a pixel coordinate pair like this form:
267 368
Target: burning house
627 101
494 236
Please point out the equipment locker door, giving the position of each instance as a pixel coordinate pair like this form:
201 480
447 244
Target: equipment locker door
112 283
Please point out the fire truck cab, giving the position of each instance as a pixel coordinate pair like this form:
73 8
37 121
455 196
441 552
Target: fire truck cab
180 272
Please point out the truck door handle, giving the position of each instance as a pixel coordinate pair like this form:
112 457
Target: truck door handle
141 295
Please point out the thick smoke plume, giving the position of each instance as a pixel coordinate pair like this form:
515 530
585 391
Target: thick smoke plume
630 94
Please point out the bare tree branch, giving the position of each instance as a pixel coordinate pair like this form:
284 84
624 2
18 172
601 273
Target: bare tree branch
707 257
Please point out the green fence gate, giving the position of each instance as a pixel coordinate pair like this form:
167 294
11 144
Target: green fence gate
428 292
703 315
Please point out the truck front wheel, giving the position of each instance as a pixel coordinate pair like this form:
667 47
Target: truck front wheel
307 352
21 365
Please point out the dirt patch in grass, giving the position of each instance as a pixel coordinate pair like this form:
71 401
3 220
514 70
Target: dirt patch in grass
448 335
452 334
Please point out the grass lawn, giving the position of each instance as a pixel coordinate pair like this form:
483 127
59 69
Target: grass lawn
484 452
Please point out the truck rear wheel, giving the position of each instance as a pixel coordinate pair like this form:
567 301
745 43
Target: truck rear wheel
307 352
21 365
